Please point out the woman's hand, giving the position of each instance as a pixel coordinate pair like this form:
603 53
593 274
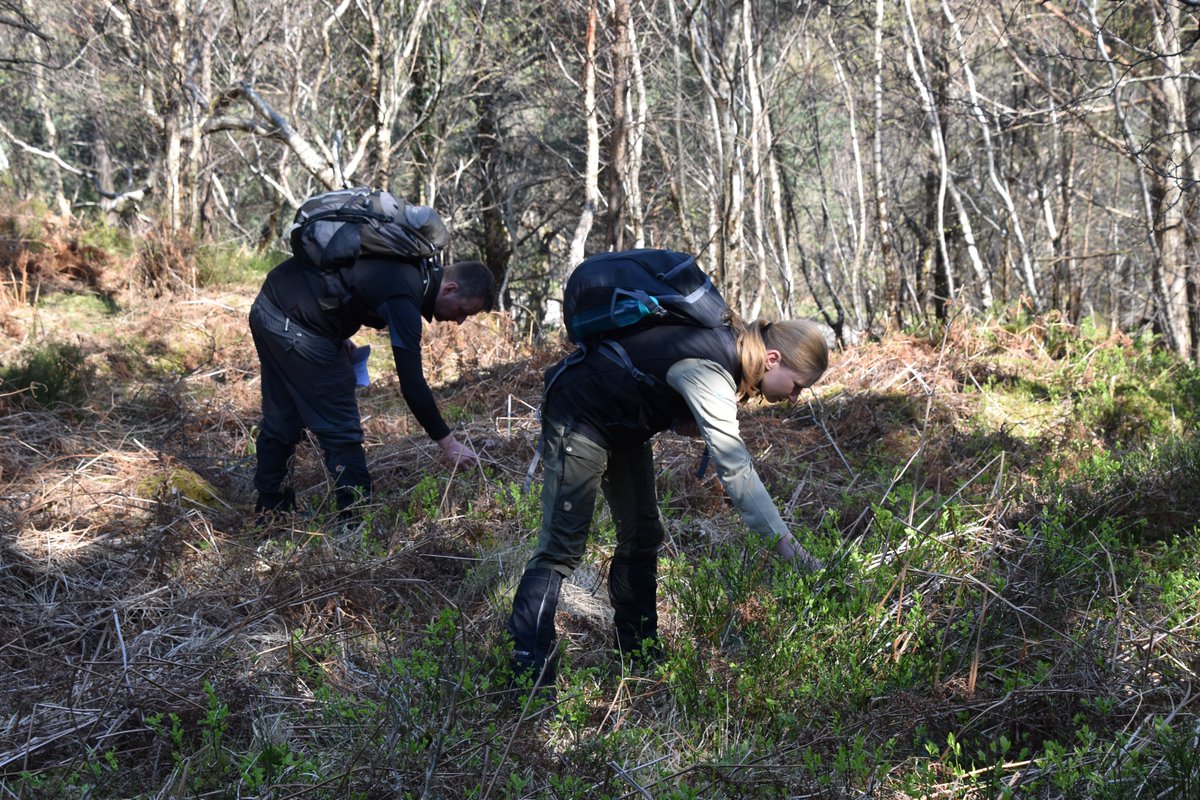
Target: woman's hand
787 548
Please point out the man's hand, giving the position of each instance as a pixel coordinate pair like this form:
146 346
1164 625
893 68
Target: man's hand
456 452
787 548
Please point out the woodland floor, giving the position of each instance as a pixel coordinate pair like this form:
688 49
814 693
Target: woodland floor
136 592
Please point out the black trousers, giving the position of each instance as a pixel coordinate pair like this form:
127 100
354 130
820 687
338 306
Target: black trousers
307 382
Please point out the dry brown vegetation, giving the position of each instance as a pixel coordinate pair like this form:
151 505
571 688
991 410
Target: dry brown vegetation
131 573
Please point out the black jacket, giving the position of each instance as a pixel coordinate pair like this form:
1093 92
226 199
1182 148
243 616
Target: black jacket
376 293
606 402
337 304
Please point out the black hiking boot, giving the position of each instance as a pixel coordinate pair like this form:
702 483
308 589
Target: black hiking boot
633 591
533 666
271 507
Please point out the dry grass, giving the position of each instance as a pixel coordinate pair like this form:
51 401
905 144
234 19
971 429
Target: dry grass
123 591
130 574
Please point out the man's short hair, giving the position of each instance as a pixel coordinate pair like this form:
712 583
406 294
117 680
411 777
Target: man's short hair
474 279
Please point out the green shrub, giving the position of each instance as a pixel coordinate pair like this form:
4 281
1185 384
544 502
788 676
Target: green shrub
112 239
220 265
48 375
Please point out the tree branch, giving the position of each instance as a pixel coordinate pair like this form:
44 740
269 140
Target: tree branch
282 131
37 151
15 17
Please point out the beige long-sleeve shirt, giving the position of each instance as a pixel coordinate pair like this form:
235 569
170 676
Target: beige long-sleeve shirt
712 397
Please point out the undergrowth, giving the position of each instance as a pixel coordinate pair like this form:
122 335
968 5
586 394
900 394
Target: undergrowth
1009 606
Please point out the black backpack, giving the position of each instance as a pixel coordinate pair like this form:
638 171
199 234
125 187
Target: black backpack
331 230
614 291
631 289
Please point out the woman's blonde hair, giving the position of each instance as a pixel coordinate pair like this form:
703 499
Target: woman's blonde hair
802 348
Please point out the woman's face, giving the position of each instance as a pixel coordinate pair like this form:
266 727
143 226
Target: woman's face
783 383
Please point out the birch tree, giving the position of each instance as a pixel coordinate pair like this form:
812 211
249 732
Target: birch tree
591 168
997 181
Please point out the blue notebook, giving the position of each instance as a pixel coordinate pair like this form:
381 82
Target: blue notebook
359 359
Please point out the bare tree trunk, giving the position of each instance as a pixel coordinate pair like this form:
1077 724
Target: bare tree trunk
390 83
1160 275
915 59
674 159
172 116
201 79
497 238
1192 241
893 277
384 103
982 278
1065 289
497 243
1176 153
639 114
778 230
758 152
715 44
857 218
932 271
103 169
931 98
617 138
714 192
591 169
49 129
1014 220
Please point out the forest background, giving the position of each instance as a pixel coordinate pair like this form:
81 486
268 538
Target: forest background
992 206
872 162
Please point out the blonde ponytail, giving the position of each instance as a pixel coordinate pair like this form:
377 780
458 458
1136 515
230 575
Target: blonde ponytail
801 347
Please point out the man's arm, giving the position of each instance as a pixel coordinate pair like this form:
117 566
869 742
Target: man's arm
404 327
710 393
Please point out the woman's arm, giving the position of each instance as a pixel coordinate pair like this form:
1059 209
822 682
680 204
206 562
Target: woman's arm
710 393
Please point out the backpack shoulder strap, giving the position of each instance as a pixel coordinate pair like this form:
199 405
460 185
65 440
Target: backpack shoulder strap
574 358
617 354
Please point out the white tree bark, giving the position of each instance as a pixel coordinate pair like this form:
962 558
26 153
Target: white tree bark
716 44
892 276
858 216
1172 174
317 165
915 59
591 169
639 115
391 80
1014 219
1161 278
49 129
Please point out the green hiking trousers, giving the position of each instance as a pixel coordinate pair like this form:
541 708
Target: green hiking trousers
575 468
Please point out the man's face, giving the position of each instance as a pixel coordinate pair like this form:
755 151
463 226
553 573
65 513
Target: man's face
450 306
